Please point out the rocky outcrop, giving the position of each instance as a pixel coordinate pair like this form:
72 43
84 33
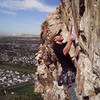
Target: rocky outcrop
85 52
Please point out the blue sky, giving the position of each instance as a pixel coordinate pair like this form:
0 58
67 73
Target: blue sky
24 16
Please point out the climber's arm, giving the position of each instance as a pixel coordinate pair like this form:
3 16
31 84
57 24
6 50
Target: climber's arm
67 47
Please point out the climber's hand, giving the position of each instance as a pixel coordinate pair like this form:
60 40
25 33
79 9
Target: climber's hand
73 36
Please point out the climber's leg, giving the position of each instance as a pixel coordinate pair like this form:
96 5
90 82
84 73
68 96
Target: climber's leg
72 92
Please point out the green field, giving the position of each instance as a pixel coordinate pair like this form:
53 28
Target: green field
25 92
19 67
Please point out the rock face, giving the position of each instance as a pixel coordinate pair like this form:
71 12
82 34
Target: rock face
84 15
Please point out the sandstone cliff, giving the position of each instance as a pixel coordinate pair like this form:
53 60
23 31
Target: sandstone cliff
84 15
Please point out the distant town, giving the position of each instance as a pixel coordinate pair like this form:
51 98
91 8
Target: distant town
17 61
13 78
18 49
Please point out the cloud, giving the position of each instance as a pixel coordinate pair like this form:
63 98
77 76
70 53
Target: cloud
12 6
7 12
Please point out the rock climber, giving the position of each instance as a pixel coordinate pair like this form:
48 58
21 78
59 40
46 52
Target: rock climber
68 69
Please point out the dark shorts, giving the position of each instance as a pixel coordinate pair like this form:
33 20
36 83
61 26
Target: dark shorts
66 77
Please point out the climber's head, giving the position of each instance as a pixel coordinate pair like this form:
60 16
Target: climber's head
58 37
